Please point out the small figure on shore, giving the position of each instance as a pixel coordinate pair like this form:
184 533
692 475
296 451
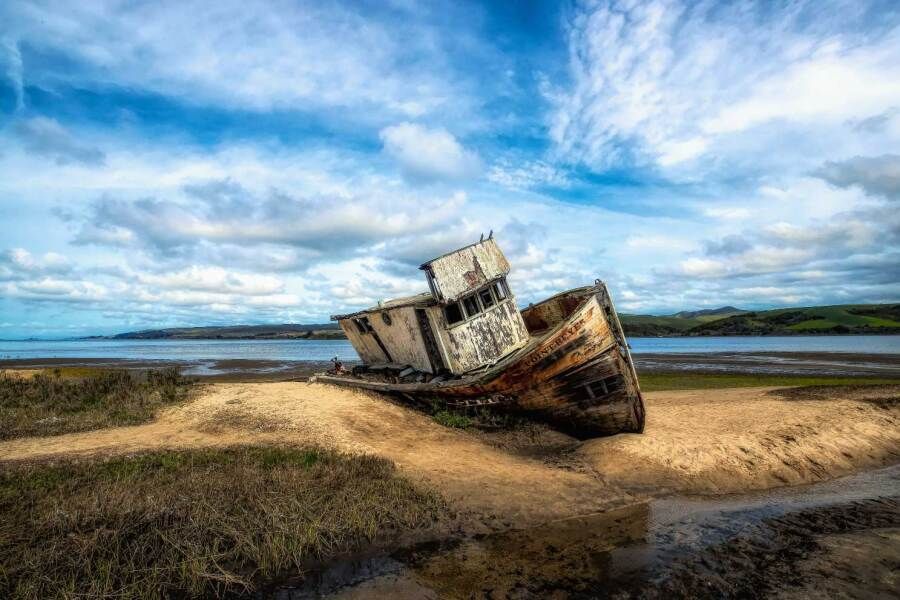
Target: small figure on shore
338 365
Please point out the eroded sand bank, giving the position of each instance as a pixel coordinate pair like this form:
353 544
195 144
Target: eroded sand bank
731 440
706 441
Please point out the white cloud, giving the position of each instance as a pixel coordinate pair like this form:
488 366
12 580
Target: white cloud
215 279
670 82
831 85
46 137
878 175
262 55
521 174
429 154
319 224
57 290
703 267
19 262
677 151
727 212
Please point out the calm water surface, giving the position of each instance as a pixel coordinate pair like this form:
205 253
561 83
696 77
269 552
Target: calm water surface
320 350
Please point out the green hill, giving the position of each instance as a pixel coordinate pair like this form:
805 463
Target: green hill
709 314
840 319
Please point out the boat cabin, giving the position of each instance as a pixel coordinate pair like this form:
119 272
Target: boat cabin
467 320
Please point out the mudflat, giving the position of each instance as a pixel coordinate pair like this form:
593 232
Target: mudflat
773 363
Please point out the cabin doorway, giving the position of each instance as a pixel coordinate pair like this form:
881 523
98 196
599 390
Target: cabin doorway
431 347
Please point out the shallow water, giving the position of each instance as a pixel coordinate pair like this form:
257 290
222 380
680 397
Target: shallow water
182 350
622 553
322 350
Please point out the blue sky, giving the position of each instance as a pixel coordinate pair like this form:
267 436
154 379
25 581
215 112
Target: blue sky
195 163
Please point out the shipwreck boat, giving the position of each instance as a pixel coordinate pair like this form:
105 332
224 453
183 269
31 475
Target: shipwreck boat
465 344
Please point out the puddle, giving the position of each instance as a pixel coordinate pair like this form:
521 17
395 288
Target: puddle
625 553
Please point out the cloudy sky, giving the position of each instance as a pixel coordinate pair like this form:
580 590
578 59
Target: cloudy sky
194 163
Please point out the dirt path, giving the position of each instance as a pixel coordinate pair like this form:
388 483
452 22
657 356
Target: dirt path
471 474
730 440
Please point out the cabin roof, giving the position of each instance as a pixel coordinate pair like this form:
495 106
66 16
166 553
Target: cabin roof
455 274
426 264
421 300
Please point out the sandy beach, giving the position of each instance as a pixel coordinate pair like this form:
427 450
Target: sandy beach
719 441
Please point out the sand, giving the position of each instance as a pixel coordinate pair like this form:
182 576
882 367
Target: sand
696 441
472 475
729 440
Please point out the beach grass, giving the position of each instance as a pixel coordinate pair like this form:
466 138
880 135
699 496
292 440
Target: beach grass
661 381
197 523
452 419
55 402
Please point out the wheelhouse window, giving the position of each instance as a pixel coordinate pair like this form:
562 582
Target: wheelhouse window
500 290
476 303
386 318
487 298
471 305
454 314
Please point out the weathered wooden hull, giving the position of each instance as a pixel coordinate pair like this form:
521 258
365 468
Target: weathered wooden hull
576 373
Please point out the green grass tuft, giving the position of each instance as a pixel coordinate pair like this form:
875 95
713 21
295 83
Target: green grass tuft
452 419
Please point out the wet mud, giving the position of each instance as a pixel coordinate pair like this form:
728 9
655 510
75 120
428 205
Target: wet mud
837 364
841 536
221 371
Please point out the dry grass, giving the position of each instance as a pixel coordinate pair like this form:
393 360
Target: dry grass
54 403
238 418
208 523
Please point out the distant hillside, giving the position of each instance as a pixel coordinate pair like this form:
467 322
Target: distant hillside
841 319
846 319
709 314
728 320
324 331
673 325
